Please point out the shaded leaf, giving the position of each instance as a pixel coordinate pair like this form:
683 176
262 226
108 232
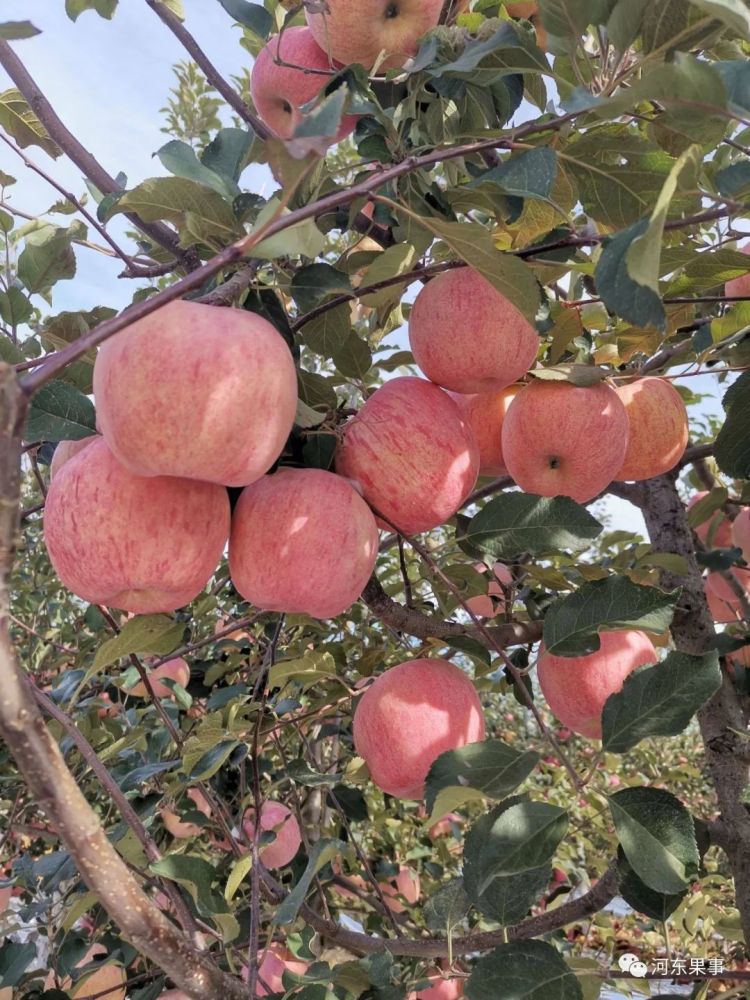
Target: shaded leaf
227 152
197 876
732 448
315 283
491 767
59 412
657 905
180 159
15 308
526 175
251 15
153 634
622 295
172 199
447 908
12 31
532 970
323 852
14 961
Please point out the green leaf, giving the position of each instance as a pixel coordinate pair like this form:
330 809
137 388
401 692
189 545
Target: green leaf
15 30
307 670
302 240
572 624
172 199
46 259
733 13
237 876
474 244
395 260
659 700
483 61
523 836
14 960
521 522
327 333
491 767
155 635
251 15
624 23
315 283
20 122
733 180
58 412
212 760
523 970
354 358
180 159
732 448
663 22
104 8
657 905
447 908
15 308
657 834
526 175
228 152
622 295
197 876
323 852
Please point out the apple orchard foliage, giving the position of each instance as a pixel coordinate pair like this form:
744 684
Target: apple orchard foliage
604 235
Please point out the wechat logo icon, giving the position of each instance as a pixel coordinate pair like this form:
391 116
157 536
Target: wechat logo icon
632 964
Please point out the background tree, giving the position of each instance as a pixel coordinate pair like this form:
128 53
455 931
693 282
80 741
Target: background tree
608 220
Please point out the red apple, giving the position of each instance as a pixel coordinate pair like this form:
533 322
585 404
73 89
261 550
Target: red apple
405 885
658 428
716 531
357 31
274 962
740 531
485 413
741 285
140 544
276 817
180 829
409 716
174 670
279 91
198 392
577 687
302 541
66 450
444 827
723 603
468 337
411 453
561 439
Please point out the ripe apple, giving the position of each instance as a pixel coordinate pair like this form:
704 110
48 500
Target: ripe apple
740 531
357 31
741 285
485 413
66 450
198 392
173 670
411 453
409 716
276 817
274 962
442 989
716 532
444 826
577 687
523 8
107 982
279 91
181 829
723 603
303 541
658 428
140 544
494 601
561 439
406 884
467 337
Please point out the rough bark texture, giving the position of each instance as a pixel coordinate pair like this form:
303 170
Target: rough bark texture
723 721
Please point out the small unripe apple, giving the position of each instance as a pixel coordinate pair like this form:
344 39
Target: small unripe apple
406 884
357 31
409 716
723 603
485 413
716 531
468 337
173 670
303 541
276 817
197 391
140 544
411 453
279 91
561 439
66 450
658 424
576 688
741 285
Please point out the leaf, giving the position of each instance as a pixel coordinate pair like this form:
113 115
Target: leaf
447 908
624 23
523 970
491 767
251 15
59 412
663 22
315 283
354 358
14 961
174 198
301 240
237 876
525 175
46 259
572 624
732 448
20 122
323 852
197 876
733 13
309 669
733 180
659 700
104 8
506 272
180 159
622 295
657 905
212 760
15 308
156 635
15 30
521 522
227 152
395 260
657 834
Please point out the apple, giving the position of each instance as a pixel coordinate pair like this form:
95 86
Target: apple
181 829
198 392
722 600
276 817
442 989
108 981
66 450
445 826
562 439
405 885
143 545
275 960
741 285
716 532
658 428
173 670
577 687
302 541
357 31
411 454
485 413
409 716
279 91
467 337
523 8
740 532
494 601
